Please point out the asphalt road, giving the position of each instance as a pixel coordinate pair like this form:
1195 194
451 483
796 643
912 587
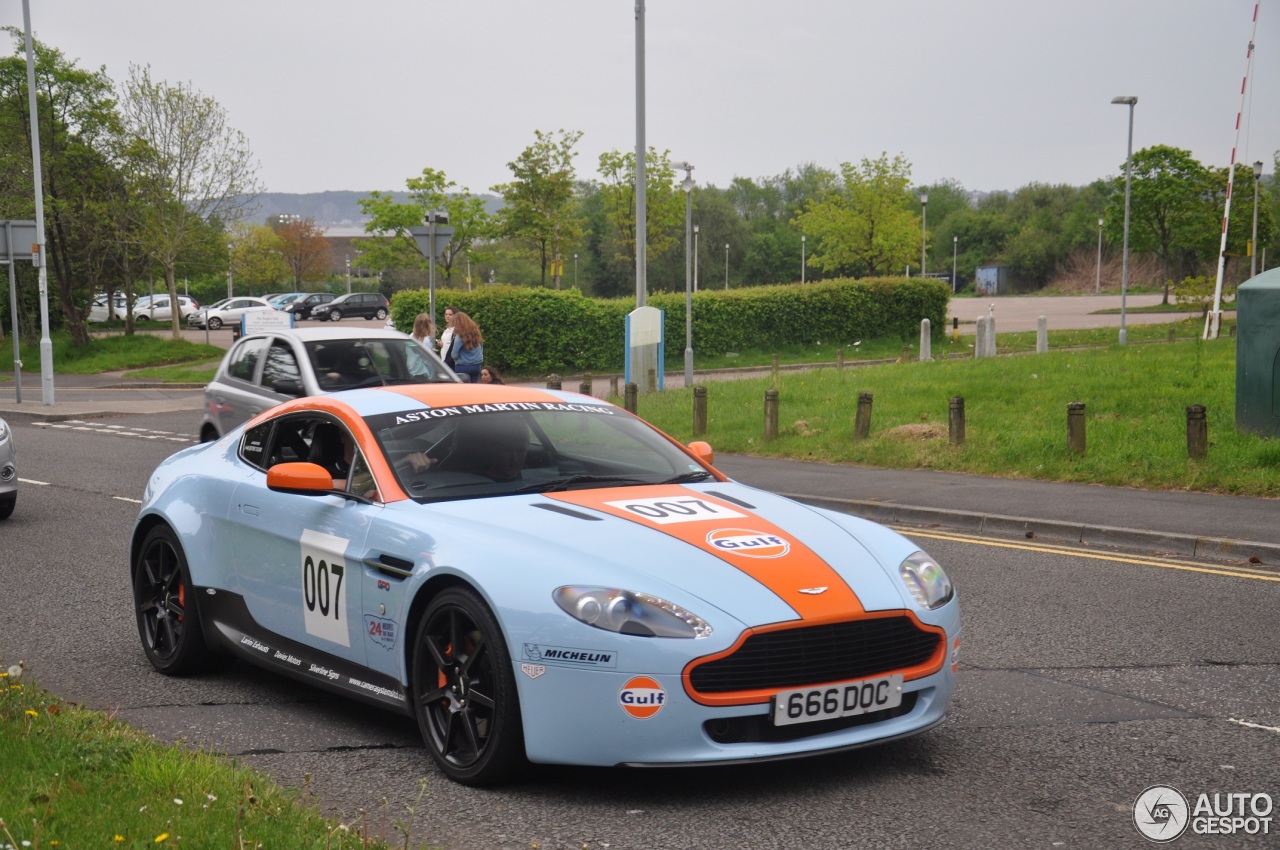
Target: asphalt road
1086 677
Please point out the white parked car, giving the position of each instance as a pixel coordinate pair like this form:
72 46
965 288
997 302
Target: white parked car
226 312
98 311
8 471
157 309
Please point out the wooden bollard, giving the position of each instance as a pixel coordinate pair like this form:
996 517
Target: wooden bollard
774 370
1075 427
1173 335
699 410
839 358
613 386
553 381
955 421
652 385
632 393
862 419
585 386
1197 432
770 415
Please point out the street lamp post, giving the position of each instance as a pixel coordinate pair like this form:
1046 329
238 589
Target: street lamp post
924 230
348 274
687 185
802 238
726 267
1130 102
1097 284
955 244
695 258
1253 245
575 271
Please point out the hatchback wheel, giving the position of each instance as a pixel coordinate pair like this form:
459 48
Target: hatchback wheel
381 314
335 315
214 323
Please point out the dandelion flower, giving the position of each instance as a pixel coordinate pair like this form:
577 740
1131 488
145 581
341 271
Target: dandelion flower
31 713
15 671
118 839
164 836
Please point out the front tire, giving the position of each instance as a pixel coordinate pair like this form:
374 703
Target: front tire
464 691
335 315
214 323
380 315
164 601
7 505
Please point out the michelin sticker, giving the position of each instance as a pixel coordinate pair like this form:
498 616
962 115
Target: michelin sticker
569 656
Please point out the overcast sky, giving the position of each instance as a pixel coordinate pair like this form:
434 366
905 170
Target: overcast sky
992 93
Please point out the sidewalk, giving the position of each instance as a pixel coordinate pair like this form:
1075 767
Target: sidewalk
1199 525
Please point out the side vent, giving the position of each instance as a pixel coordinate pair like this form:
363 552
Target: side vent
567 511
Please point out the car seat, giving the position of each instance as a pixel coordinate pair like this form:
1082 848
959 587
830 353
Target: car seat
326 449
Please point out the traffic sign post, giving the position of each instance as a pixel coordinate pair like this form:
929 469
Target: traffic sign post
18 241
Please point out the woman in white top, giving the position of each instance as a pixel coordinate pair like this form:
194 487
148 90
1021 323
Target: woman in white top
446 338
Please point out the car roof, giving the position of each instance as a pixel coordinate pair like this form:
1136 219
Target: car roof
311 334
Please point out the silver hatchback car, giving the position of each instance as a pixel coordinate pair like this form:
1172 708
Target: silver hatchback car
8 471
262 370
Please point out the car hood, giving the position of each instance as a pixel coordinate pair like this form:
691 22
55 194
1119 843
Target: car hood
756 556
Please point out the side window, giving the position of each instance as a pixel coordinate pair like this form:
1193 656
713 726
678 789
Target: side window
244 360
280 365
253 446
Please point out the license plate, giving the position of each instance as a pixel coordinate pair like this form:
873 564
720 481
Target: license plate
805 705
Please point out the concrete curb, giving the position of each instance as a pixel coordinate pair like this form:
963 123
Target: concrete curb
1189 545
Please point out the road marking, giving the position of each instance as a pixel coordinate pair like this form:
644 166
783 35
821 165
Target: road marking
1163 563
1254 725
125 499
117 430
33 481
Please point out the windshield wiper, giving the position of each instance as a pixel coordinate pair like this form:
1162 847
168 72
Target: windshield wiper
557 484
689 477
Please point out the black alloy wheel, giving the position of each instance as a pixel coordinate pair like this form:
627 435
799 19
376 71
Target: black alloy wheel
464 691
168 621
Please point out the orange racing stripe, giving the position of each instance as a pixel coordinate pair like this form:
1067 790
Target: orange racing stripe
736 536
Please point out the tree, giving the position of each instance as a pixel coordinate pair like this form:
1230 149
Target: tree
77 121
664 204
304 249
866 227
186 166
540 199
258 255
1166 207
428 193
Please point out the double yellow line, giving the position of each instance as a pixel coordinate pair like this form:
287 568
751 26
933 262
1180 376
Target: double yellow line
1162 563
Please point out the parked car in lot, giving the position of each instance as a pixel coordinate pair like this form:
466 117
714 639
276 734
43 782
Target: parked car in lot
8 471
301 307
226 312
283 299
158 309
539 576
263 370
364 305
98 311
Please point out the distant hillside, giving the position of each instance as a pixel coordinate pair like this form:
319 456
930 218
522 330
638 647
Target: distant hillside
329 209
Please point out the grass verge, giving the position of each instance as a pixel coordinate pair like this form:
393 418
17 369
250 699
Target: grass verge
1016 413
111 354
77 778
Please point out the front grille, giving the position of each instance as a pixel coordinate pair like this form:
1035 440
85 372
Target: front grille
811 655
758 729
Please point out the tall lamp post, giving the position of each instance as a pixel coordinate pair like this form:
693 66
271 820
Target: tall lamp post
924 230
1253 246
955 245
687 185
802 238
726 267
348 274
695 258
1097 284
575 271
1130 102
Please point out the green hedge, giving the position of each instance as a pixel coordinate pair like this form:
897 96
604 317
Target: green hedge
537 331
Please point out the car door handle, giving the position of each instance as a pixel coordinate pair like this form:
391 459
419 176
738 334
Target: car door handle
391 565
251 510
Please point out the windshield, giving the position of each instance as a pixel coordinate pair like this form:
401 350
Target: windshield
485 450
345 364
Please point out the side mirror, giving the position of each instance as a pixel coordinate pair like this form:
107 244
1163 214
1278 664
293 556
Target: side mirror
304 479
288 386
703 451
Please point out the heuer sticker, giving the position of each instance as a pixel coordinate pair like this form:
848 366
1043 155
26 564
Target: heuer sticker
380 631
533 671
570 656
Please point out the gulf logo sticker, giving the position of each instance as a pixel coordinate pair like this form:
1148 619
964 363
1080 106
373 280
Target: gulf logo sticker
747 543
642 697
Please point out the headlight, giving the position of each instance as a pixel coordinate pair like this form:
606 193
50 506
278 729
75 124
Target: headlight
630 613
4 431
926 580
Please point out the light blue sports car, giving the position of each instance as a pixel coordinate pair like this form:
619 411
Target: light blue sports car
538 576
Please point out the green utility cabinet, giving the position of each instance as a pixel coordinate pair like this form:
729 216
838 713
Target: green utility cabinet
1258 355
